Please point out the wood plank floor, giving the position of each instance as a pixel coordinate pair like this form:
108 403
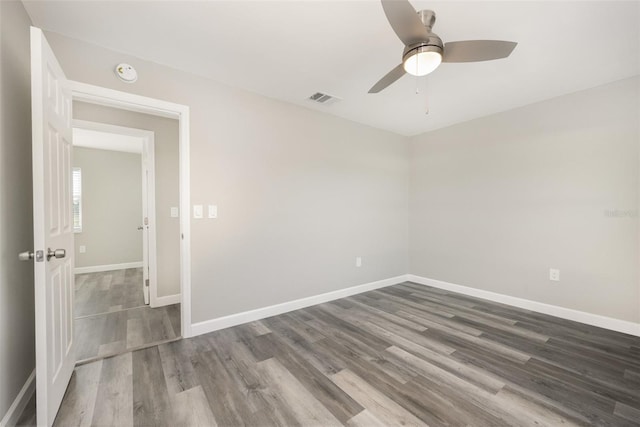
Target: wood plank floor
108 291
108 334
111 317
402 355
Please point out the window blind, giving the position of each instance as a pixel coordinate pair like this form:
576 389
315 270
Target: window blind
77 199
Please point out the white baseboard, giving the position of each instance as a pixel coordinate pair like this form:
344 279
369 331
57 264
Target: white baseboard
10 419
107 267
166 300
618 325
273 310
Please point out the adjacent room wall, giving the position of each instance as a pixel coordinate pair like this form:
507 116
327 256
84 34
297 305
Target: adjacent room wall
497 201
111 207
300 194
17 322
167 183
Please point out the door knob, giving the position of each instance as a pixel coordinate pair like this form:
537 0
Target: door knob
58 253
140 228
25 256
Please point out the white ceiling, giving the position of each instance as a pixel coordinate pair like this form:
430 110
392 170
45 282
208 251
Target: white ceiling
288 50
88 138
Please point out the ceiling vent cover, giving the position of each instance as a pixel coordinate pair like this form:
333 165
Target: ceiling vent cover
323 98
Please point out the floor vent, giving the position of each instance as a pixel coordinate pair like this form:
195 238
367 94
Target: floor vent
323 98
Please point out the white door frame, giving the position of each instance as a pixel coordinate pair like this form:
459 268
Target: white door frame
113 98
148 197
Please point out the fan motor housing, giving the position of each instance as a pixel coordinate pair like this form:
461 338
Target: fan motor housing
432 44
428 18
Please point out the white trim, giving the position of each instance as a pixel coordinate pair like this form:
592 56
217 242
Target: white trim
618 325
185 223
166 300
273 310
108 128
106 267
126 101
12 416
114 98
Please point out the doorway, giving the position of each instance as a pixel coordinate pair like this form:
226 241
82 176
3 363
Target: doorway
94 98
127 250
137 157
115 233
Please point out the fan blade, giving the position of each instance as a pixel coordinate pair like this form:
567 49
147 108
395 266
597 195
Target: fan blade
405 21
387 80
477 50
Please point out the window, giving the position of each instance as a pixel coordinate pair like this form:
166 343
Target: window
77 200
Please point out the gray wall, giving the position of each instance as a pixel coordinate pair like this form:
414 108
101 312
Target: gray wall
496 202
111 207
17 323
300 193
167 183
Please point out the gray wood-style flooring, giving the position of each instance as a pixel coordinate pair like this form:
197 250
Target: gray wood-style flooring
108 334
108 291
402 355
111 317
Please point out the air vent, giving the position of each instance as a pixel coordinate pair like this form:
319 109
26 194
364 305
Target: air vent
323 98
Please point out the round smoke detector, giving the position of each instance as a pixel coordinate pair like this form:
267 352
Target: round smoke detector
126 73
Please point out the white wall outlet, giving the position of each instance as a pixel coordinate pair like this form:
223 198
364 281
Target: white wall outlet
213 211
83 249
197 211
358 261
554 274
174 212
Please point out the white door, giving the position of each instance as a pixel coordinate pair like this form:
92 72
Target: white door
145 231
52 229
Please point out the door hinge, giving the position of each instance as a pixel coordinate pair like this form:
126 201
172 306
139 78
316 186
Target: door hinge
146 282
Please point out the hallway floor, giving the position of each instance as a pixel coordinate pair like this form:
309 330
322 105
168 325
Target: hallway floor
111 317
108 291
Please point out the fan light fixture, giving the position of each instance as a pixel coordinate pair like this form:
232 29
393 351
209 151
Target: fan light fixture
424 50
423 60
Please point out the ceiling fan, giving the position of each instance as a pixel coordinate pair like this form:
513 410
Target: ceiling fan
424 50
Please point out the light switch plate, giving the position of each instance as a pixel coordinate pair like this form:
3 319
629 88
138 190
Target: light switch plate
213 211
174 212
83 249
197 211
